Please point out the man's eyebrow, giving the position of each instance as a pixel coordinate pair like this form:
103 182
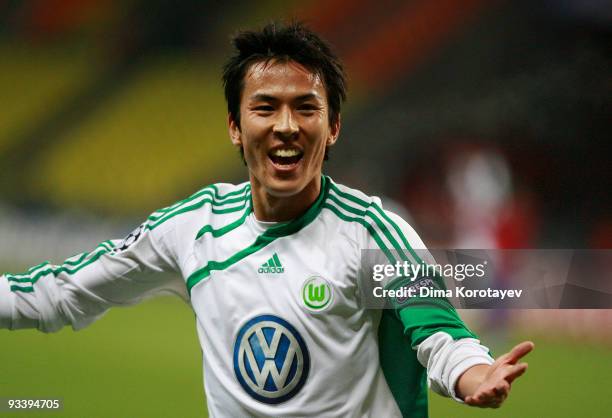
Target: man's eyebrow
307 96
268 98
263 98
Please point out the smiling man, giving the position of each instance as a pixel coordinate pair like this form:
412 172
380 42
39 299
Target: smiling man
272 267
283 127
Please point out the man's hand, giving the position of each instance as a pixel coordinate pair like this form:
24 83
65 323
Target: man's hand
488 386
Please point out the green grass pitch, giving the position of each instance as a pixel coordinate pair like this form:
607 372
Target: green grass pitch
145 361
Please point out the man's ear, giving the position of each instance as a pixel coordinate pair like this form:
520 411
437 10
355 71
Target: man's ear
334 132
234 131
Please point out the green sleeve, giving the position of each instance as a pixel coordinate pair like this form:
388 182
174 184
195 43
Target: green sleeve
421 321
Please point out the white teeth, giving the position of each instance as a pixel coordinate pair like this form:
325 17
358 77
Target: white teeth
286 152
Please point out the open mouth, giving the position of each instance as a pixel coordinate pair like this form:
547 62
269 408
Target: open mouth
286 157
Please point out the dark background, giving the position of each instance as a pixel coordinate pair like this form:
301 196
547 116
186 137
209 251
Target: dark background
484 123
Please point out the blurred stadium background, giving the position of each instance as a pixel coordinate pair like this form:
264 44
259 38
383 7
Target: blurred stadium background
483 122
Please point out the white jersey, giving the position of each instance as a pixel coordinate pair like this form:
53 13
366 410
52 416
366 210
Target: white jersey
280 314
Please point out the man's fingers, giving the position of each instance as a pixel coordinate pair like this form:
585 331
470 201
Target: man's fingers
516 371
504 371
502 389
499 391
519 351
500 377
475 401
492 398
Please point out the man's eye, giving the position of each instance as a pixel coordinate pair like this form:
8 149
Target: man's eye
264 108
307 108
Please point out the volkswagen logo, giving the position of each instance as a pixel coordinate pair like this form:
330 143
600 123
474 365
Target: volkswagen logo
271 360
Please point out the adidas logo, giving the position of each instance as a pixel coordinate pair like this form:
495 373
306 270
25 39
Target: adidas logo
273 265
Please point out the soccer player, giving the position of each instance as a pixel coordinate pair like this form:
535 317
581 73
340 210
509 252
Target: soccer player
272 266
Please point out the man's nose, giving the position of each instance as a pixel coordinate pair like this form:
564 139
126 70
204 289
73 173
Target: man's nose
285 125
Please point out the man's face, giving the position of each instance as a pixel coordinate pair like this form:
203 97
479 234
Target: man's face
284 127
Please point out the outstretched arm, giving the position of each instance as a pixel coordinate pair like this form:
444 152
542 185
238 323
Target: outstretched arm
488 386
81 289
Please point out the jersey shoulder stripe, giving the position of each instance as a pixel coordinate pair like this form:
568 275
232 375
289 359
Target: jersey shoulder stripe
219 192
216 233
373 202
364 206
24 282
223 198
363 215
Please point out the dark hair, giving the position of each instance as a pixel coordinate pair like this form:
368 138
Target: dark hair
291 42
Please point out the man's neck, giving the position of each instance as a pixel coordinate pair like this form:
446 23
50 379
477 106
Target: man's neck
272 208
